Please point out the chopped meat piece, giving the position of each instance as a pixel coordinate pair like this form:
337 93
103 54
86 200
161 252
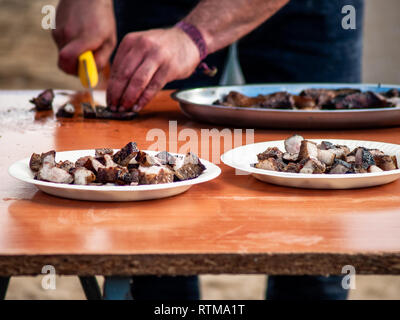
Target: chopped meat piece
236 99
106 161
54 174
188 168
112 174
308 149
268 164
346 91
312 166
392 93
278 100
326 145
374 169
103 151
305 103
88 111
290 157
66 111
92 164
386 162
126 154
128 178
105 113
292 167
155 175
350 158
340 151
44 101
81 161
292 144
35 162
326 156
49 158
270 153
321 96
341 167
376 152
83 176
146 160
364 159
166 158
66 165
360 100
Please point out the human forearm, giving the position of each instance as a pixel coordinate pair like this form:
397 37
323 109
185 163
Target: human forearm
222 22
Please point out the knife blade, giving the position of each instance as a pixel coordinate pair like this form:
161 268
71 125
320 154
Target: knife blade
88 73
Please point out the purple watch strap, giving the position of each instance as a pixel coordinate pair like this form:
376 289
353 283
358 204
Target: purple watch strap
196 36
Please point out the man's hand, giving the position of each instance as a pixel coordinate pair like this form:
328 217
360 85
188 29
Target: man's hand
84 25
145 63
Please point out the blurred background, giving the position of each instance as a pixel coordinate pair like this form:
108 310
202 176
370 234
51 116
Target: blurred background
28 60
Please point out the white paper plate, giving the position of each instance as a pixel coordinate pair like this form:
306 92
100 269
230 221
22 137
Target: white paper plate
242 157
21 171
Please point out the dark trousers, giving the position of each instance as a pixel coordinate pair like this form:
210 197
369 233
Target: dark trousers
279 288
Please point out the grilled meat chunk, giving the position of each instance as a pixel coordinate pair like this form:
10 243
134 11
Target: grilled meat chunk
166 158
308 149
278 100
66 165
35 162
106 113
312 166
305 103
89 163
326 145
189 167
83 176
320 96
292 167
341 167
49 158
66 111
54 174
128 178
103 151
146 160
290 157
293 143
236 99
326 156
374 169
270 153
155 175
88 111
270 164
106 160
386 162
126 154
44 101
363 158
359 100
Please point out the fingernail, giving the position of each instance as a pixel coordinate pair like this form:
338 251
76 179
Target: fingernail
121 109
113 108
136 108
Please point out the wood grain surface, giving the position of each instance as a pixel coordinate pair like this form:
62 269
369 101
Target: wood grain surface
234 224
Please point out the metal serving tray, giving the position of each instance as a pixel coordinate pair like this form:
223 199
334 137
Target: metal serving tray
197 104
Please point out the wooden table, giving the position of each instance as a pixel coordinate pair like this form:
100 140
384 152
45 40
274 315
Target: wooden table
234 224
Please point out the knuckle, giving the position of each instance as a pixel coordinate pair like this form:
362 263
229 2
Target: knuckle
138 82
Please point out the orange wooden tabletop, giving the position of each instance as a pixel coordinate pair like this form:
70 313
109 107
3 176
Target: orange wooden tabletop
234 224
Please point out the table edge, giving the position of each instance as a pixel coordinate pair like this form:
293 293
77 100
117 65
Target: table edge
207 263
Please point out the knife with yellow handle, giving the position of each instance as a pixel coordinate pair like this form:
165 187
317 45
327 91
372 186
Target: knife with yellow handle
87 71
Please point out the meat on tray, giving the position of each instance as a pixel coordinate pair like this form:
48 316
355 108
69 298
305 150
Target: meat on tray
128 167
315 99
304 156
44 101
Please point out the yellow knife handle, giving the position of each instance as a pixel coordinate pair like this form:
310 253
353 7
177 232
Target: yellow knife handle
91 69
